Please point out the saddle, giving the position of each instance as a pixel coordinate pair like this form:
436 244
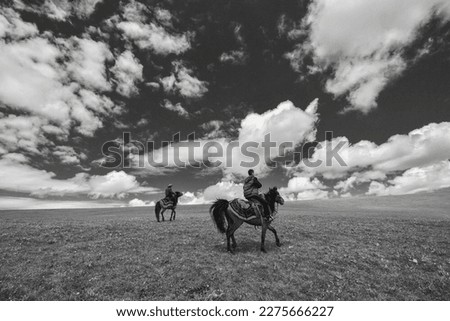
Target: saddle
244 209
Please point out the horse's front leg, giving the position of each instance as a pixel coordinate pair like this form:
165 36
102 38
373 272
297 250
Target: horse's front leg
263 236
171 215
277 240
174 214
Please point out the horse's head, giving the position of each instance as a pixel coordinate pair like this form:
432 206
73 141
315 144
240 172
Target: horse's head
178 194
274 196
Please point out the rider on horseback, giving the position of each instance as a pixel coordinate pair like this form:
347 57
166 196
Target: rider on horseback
169 193
251 193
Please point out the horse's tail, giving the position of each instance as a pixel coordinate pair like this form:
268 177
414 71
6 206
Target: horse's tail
157 210
218 211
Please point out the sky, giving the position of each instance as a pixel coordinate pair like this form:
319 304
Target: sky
76 75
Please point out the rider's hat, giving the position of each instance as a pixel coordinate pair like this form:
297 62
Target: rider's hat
170 185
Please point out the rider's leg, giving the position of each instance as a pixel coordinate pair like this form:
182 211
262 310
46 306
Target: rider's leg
266 210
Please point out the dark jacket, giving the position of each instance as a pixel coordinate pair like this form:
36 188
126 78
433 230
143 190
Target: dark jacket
169 192
251 186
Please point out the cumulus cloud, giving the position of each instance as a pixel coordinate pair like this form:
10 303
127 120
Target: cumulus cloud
420 147
304 188
414 180
128 72
358 178
33 80
87 63
136 202
68 155
182 82
57 83
11 25
300 184
223 189
22 133
231 154
255 127
116 184
59 9
152 35
362 42
23 178
176 108
234 57
313 194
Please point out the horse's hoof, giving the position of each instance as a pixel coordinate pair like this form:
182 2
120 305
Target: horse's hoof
263 250
278 244
234 246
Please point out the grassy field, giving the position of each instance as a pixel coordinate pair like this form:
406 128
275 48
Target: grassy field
381 248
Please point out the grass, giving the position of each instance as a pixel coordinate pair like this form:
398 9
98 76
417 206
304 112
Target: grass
351 249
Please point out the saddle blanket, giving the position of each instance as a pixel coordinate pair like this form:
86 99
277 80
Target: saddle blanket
165 203
243 209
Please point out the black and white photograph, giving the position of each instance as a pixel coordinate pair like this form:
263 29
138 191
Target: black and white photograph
198 150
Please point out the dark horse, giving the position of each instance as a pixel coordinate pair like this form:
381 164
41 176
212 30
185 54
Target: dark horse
162 205
223 209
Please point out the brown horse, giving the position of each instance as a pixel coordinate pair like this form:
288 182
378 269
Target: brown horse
162 205
235 216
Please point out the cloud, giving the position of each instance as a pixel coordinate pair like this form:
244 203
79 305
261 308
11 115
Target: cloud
414 180
149 34
31 80
88 62
300 184
420 147
60 9
182 82
253 129
116 184
234 57
68 155
362 42
307 195
190 198
137 202
11 25
304 188
223 189
128 72
57 83
22 133
176 108
358 178
20 177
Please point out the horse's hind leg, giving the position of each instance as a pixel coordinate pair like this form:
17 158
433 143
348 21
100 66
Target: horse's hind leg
277 240
233 241
235 227
232 227
162 214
